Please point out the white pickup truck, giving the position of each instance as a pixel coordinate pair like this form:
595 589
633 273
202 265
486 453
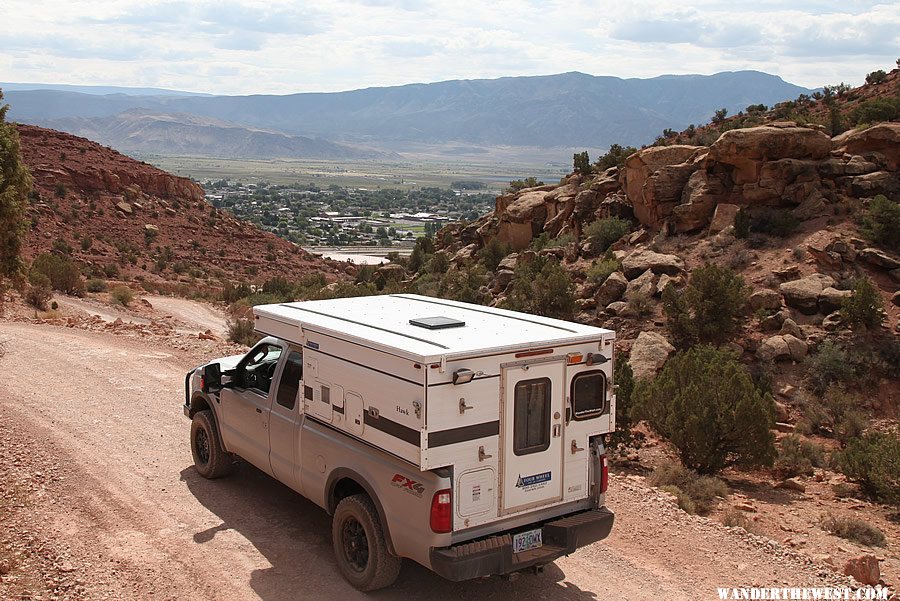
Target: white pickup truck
466 438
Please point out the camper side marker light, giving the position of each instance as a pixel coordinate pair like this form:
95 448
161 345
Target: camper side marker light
574 358
463 376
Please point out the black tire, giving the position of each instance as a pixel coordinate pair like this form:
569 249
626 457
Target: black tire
360 546
210 458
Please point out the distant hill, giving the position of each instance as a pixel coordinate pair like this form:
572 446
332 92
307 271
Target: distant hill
98 90
142 132
569 109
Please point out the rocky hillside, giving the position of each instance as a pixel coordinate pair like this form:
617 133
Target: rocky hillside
120 217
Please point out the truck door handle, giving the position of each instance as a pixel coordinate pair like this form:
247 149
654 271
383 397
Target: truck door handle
575 447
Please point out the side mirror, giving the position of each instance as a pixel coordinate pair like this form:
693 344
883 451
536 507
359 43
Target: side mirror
211 378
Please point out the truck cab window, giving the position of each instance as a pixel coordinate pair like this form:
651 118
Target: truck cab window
259 367
290 380
531 428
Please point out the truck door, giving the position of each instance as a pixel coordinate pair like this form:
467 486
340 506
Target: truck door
246 404
532 422
284 422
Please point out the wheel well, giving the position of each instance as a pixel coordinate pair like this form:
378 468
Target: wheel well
348 483
344 488
198 403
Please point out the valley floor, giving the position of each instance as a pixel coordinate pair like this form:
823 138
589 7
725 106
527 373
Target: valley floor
99 500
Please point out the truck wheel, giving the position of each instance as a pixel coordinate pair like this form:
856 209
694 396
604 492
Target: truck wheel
360 546
210 458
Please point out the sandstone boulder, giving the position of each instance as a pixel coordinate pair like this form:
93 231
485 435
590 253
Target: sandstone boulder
391 272
124 208
879 258
748 148
880 182
773 349
790 327
644 284
796 347
640 261
612 289
509 262
883 139
864 569
648 354
618 308
803 294
667 184
723 216
831 299
765 299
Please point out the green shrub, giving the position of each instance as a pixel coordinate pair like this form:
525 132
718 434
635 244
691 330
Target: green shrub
798 457
853 529
582 163
835 413
439 263
86 243
602 269
830 364
864 307
684 500
542 287
545 241
881 222
702 491
623 378
876 110
61 190
774 222
603 232
876 77
742 224
706 405
63 274
710 309
122 295
492 253
640 304
735 518
615 157
37 293
96 285
874 461
240 331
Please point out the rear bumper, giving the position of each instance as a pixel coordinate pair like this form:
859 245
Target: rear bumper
494 555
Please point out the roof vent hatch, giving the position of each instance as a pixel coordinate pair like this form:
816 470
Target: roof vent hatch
437 323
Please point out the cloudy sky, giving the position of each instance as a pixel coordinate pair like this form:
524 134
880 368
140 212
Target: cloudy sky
246 46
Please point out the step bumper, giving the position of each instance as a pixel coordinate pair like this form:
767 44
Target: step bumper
494 555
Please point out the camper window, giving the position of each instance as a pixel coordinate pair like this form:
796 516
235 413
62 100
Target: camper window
531 428
589 394
290 380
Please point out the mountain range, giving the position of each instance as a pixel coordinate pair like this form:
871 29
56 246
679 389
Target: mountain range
564 110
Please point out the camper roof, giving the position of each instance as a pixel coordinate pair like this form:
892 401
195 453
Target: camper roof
423 328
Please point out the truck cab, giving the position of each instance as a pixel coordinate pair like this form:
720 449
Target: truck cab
467 453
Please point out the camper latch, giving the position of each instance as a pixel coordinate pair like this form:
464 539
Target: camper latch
373 412
575 447
463 407
482 455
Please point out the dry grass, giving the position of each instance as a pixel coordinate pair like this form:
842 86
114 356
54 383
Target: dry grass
735 518
703 492
853 529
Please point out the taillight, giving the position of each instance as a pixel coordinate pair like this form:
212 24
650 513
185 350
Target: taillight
441 515
604 474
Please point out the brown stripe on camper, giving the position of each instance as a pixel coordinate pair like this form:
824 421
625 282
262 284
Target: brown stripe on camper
463 434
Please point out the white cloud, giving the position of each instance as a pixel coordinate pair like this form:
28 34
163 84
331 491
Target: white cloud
282 46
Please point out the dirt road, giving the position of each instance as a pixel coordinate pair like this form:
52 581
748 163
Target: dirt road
92 423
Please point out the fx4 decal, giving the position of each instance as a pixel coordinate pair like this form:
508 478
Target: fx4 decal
407 485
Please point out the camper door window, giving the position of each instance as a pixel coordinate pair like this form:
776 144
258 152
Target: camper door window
589 394
531 428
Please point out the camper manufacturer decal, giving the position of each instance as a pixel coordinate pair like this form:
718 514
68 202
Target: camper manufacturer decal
407 485
533 482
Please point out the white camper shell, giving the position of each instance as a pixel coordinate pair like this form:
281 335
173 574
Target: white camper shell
437 383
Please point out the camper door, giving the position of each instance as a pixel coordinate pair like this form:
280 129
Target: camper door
532 422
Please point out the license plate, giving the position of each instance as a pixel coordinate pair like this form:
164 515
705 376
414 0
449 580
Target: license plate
527 540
